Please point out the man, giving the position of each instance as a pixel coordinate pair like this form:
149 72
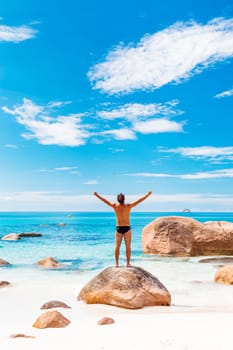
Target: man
123 229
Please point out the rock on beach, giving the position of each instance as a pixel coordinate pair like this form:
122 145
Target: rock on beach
17 236
224 275
106 320
51 319
54 304
182 236
130 288
49 263
4 284
30 234
3 262
11 237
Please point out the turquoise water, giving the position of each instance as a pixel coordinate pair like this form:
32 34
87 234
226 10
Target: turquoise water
85 243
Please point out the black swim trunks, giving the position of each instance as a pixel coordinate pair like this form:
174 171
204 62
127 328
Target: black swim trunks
123 229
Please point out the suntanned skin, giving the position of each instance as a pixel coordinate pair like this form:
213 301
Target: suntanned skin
122 212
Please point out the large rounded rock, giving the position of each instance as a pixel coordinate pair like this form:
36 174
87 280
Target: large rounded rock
224 275
131 288
51 319
181 236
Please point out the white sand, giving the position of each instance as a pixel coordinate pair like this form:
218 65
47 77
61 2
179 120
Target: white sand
200 317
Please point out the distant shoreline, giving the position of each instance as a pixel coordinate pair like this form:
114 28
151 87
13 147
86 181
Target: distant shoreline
109 211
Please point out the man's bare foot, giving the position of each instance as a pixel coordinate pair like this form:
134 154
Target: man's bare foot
129 265
117 265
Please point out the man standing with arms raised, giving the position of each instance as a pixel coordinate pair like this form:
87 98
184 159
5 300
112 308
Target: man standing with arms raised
123 229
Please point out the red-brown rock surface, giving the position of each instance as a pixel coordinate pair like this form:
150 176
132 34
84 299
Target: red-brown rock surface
224 275
51 319
4 284
3 262
21 335
181 236
48 263
53 304
131 288
106 320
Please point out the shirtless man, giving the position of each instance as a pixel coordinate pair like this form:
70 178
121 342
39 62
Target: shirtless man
123 229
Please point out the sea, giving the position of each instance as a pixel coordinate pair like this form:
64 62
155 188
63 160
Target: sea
83 242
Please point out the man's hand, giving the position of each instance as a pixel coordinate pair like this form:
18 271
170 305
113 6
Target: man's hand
95 193
149 192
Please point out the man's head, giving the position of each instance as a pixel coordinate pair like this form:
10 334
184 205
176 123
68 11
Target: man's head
121 198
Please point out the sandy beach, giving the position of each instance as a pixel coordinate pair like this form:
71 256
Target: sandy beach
200 316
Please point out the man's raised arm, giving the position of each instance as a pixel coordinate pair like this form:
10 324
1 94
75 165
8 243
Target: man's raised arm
141 199
103 199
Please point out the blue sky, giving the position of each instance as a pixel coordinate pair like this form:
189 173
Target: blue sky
125 97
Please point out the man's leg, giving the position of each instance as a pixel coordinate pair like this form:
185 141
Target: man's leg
117 247
127 237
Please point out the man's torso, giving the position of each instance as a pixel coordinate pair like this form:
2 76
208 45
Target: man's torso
122 212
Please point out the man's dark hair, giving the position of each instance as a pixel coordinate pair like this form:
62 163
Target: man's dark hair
121 198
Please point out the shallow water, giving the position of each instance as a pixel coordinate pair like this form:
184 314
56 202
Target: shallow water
85 246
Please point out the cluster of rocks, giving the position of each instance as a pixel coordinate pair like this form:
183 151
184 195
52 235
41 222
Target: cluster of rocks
181 236
17 236
134 287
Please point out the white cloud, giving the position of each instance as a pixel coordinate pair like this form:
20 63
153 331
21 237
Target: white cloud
132 111
48 130
58 103
139 118
171 55
66 168
116 150
69 130
226 93
214 174
204 152
9 145
91 182
16 34
120 134
158 125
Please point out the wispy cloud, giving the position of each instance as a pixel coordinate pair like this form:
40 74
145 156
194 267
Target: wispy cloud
58 103
158 125
44 124
91 182
66 168
46 129
116 150
43 200
143 118
133 111
214 174
9 145
171 55
120 134
211 153
16 34
226 93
